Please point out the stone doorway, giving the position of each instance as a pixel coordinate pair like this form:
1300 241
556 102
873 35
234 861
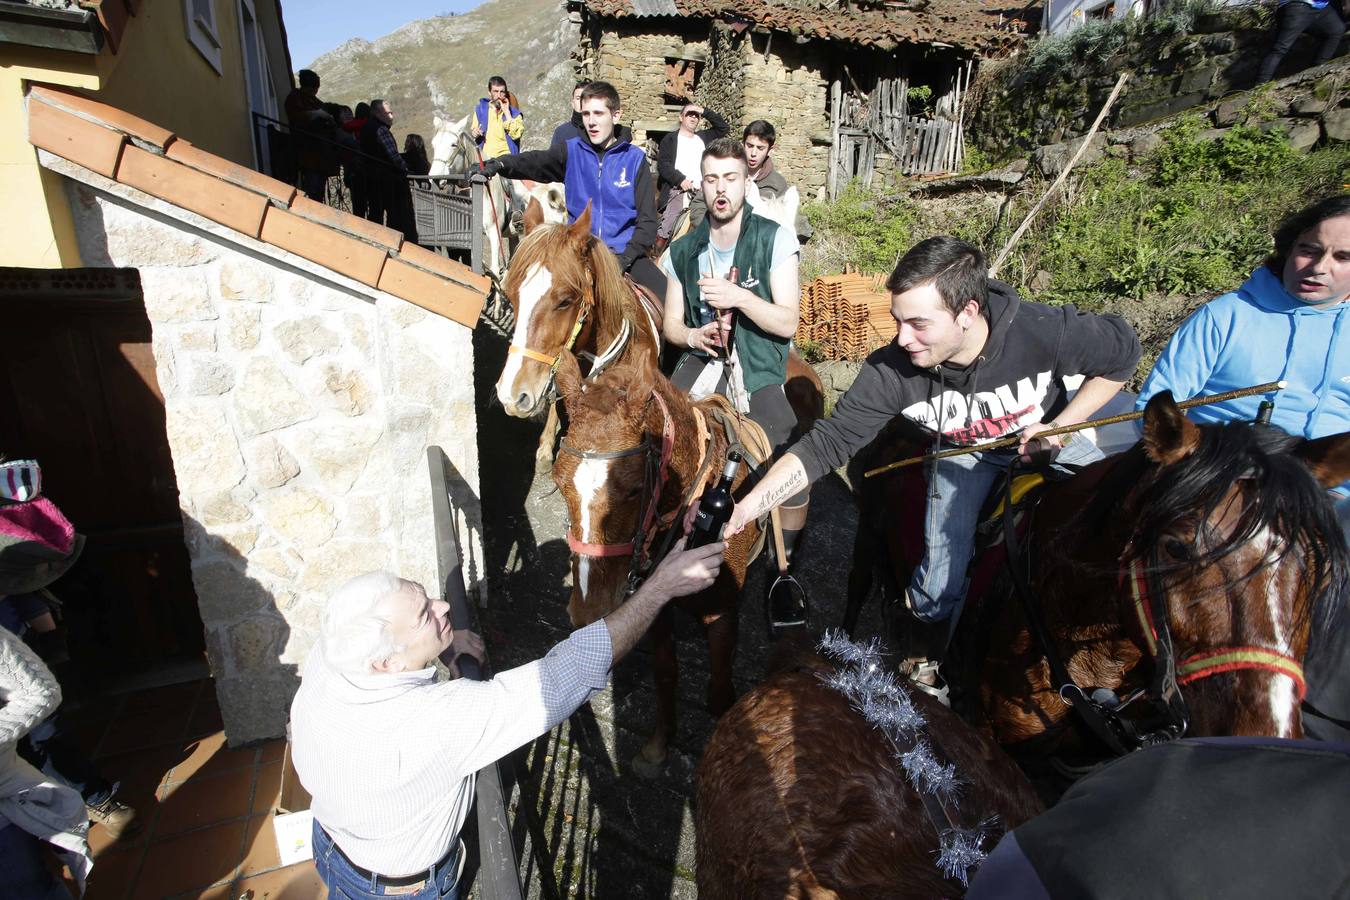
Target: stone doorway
79 393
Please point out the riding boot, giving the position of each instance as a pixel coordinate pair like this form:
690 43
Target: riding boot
786 603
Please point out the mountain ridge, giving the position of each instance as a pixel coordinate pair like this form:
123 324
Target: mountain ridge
441 65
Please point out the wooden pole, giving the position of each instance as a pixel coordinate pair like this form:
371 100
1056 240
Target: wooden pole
1082 148
1069 429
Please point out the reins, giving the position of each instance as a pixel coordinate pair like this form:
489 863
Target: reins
1164 713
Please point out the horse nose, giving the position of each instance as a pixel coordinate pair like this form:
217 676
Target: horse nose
524 400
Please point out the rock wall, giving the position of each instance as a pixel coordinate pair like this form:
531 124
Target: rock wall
1018 107
785 86
298 414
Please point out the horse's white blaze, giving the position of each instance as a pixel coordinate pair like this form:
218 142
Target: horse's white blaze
537 283
589 481
1282 693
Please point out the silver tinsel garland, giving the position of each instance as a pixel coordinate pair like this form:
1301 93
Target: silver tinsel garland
878 695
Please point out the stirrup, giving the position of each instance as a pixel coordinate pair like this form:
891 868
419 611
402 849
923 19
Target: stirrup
941 692
792 608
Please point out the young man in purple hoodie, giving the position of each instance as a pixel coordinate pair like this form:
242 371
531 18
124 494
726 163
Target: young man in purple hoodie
971 363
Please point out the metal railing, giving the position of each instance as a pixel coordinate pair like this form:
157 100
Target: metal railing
498 870
446 216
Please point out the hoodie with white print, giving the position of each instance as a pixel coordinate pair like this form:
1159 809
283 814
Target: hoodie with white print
1016 381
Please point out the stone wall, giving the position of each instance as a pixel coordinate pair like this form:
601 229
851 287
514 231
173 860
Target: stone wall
1017 107
298 410
784 86
790 89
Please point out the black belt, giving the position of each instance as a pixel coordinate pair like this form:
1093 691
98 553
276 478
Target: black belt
405 880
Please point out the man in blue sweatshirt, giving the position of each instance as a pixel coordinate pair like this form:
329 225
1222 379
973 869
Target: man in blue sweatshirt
1288 322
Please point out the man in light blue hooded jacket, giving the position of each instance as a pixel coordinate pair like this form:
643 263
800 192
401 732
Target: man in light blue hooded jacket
1288 322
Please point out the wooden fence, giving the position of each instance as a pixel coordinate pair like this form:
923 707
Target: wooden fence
864 123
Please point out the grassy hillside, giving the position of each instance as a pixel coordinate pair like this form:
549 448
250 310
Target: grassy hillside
443 64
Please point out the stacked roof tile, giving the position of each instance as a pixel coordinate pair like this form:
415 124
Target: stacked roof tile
144 156
846 316
984 26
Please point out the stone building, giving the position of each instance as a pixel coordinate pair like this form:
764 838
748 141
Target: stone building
266 369
844 86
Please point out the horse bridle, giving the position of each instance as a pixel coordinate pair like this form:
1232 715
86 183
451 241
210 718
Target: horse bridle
599 363
1159 711
655 471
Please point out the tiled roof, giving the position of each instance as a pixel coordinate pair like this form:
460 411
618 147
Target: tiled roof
981 25
151 159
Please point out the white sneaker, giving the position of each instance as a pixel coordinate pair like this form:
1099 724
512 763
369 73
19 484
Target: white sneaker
927 677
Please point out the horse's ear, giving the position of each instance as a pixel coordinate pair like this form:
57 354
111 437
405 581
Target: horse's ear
1169 436
581 228
1328 458
567 377
534 215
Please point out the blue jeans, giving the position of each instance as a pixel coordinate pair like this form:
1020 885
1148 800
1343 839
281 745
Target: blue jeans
957 489
23 859
343 881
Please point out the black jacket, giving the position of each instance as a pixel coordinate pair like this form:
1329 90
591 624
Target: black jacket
1017 381
1236 817
668 175
568 130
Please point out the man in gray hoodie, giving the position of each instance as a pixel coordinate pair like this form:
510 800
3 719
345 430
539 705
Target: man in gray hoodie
971 363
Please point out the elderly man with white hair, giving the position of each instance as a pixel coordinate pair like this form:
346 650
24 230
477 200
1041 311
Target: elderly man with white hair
388 752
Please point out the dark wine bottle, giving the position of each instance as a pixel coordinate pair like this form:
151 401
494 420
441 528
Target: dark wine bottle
715 508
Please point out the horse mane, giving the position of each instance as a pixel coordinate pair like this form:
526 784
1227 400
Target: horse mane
1282 497
614 299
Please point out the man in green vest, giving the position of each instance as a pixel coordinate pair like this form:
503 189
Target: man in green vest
731 305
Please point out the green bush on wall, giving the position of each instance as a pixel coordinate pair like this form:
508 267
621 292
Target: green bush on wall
1194 217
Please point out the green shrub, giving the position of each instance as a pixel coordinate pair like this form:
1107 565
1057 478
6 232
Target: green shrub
1193 218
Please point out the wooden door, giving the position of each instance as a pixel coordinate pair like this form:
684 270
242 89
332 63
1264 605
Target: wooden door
78 393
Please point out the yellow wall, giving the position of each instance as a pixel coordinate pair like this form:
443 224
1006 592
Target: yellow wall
156 74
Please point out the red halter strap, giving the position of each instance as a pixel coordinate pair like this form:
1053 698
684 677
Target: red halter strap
1208 662
645 532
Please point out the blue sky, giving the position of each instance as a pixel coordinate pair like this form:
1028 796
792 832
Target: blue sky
313 27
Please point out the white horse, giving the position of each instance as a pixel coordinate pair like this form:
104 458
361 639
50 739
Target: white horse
781 209
454 153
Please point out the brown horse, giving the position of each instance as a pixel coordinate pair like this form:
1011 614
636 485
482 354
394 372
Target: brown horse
636 447
567 293
799 796
1182 576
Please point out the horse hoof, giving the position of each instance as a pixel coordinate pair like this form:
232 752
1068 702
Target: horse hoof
543 463
647 768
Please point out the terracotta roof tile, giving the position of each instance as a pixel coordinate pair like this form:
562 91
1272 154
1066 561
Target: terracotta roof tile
345 221
110 116
78 140
446 268
984 25
339 252
189 155
227 204
444 298
249 202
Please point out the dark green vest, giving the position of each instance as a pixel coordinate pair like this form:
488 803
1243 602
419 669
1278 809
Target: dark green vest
763 356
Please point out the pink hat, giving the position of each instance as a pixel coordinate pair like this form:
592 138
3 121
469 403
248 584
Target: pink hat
37 545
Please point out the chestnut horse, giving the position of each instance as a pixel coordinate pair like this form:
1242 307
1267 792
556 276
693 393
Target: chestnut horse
567 293
799 796
635 448
1182 577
